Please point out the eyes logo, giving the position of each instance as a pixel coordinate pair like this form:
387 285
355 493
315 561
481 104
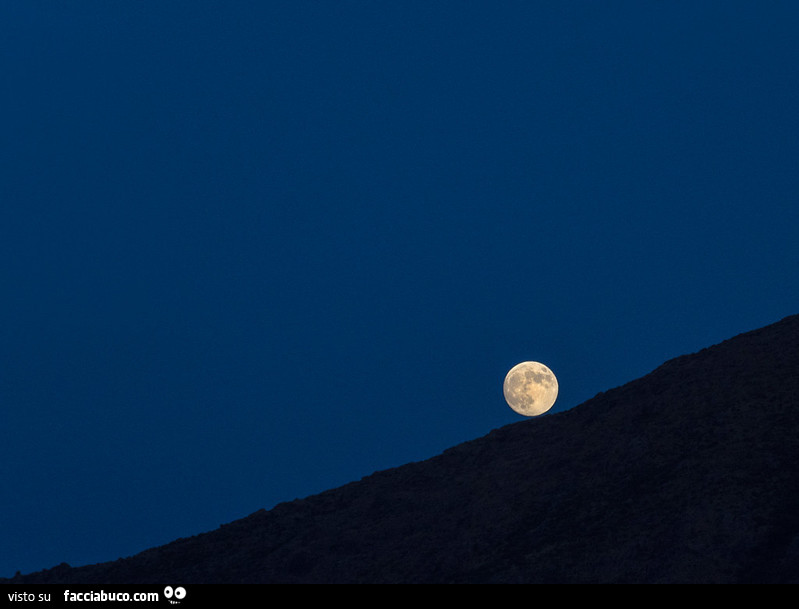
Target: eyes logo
179 593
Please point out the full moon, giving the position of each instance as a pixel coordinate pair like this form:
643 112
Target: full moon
530 388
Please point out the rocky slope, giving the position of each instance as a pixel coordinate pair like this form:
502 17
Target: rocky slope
688 474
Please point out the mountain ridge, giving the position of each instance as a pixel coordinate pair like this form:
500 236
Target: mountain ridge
688 474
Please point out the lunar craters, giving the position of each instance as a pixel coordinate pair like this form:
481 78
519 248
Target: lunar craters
530 388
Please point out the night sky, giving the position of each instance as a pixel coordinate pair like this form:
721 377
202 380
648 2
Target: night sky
251 251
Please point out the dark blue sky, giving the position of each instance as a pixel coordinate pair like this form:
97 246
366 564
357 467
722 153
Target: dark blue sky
255 250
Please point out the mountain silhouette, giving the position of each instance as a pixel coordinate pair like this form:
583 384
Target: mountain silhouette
689 474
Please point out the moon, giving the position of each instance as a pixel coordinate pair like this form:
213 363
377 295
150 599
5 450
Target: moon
530 388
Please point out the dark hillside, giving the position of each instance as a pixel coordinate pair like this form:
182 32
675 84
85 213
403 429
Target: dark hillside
688 474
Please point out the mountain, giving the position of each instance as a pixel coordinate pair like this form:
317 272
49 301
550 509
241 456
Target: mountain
689 474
